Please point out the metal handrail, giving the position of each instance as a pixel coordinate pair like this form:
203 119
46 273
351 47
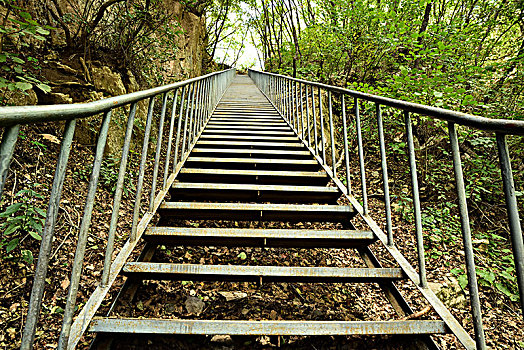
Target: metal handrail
191 103
289 95
13 115
503 126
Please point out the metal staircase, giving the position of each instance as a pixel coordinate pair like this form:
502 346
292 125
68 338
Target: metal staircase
239 149
249 165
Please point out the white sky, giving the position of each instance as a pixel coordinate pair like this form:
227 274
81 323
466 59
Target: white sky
248 57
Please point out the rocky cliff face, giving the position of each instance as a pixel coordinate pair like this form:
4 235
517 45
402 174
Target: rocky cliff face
74 78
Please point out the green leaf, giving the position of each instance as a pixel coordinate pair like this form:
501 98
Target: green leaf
3 57
25 15
40 211
12 244
13 208
44 87
27 256
502 288
12 228
487 276
35 235
42 31
242 256
463 281
17 60
23 86
437 94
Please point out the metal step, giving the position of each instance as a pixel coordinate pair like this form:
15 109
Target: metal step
254 193
267 121
256 212
208 132
232 152
244 127
269 177
301 328
254 122
240 237
252 163
250 138
252 145
241 273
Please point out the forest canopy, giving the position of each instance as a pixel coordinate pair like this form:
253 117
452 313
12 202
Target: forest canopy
465 55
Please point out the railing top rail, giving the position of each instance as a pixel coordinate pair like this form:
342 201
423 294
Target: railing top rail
503 126
33 114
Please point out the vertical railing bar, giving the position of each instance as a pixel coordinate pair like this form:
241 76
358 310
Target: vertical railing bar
361 159
37 292
513 213
140 184
314 119
307 118
332 135
385 177
157 152
288 101
7 147
179 126
295 107
194 97
170 139
200 107
323 136
191 90
416 201
118 195
82 236
302 110
346 146
476 312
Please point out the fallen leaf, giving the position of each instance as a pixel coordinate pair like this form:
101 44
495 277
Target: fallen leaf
230 296
51 138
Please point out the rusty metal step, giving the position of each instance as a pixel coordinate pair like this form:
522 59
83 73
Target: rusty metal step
236 132
254 122
251 145
243 273
237 327
254 193
252 163
231 127
269 177
243 152
231 119
256 212
250 138
240 237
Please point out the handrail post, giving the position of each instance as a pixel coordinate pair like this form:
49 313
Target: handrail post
141 172
37 292
157 152
416 201
118 195
476 312
179 128
385 177
82 235
323 138
170 139
314 120
332 136
7 147
346 146
361 159
513 213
